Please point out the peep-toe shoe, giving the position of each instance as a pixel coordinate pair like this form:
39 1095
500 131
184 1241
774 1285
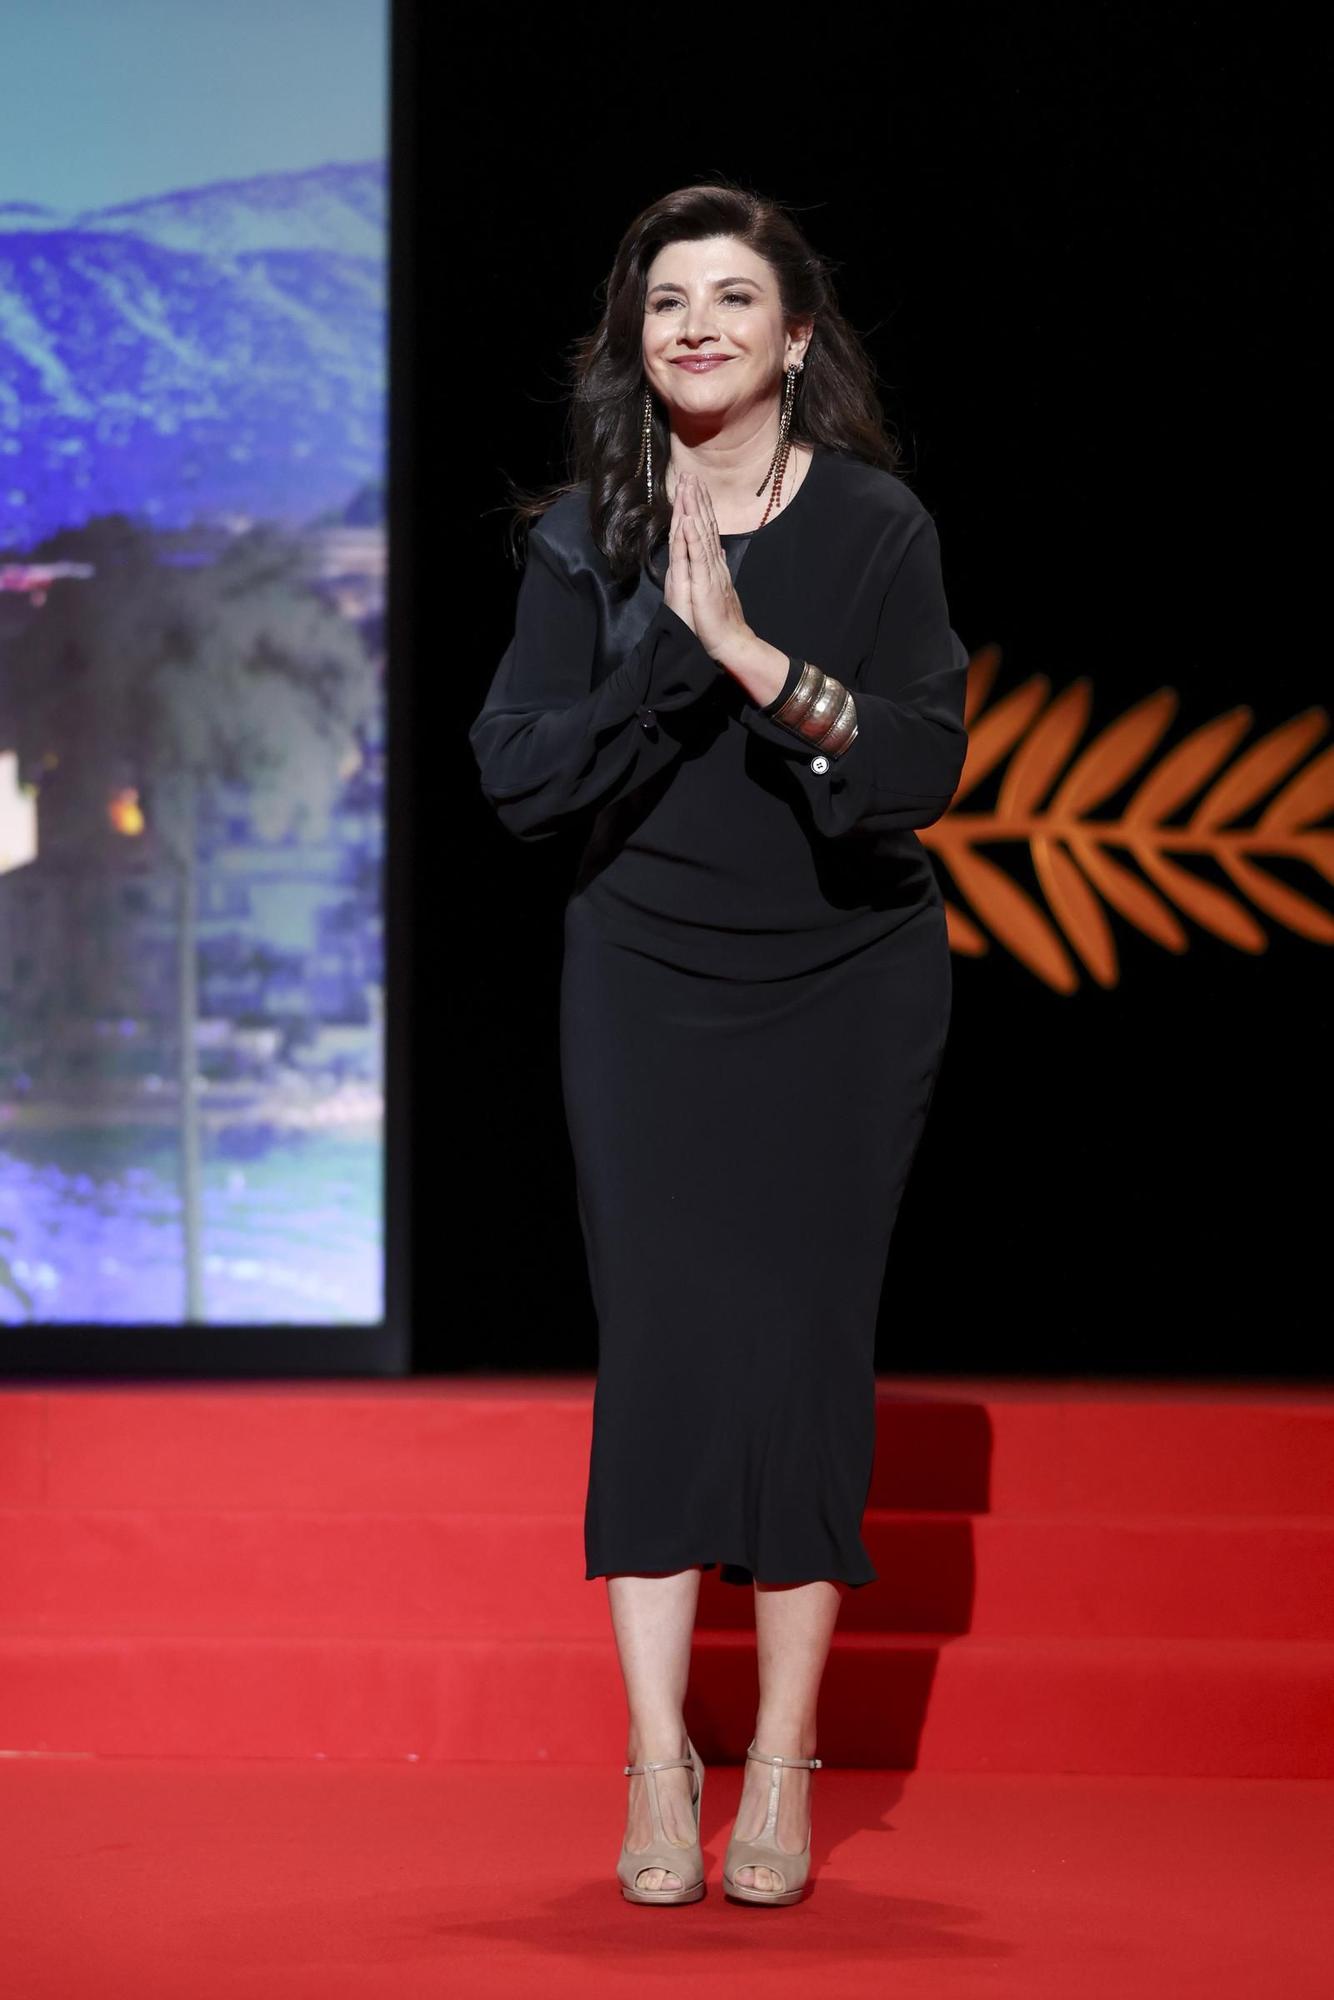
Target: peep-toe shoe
763 1851
687 1863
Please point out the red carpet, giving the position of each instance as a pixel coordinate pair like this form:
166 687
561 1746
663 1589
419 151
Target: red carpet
133 1881
1102 1645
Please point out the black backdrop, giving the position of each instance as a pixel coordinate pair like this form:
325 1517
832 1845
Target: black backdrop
1082 250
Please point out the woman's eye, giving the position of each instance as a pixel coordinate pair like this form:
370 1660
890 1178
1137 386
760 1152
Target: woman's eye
744 298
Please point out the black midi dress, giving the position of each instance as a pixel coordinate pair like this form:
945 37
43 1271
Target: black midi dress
754 1000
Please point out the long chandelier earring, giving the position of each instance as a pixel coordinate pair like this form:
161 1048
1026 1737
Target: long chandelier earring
778 463
646 447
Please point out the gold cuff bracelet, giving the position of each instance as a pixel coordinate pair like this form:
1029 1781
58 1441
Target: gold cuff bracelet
820 709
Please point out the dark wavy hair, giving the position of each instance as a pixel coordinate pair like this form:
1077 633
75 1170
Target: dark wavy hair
836 405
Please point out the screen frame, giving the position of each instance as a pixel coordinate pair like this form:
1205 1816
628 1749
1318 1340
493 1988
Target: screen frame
257 1350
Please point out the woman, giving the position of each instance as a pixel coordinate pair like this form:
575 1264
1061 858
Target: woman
756 983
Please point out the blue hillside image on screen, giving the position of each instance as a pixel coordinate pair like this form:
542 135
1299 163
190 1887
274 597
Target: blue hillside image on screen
192 753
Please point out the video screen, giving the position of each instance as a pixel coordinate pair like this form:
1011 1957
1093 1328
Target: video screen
193 727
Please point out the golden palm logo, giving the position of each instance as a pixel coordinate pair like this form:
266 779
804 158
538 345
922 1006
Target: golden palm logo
1069 849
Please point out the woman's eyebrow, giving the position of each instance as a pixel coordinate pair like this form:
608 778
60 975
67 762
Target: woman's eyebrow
669 285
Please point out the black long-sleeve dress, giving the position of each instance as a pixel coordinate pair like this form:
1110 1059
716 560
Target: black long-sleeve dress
755 996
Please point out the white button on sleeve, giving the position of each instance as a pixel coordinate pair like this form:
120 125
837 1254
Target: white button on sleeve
820 764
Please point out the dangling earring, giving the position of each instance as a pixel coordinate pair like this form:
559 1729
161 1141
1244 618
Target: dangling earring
778 463
646 447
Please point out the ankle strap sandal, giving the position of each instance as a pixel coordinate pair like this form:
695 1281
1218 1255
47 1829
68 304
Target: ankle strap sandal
763 1851
686 1863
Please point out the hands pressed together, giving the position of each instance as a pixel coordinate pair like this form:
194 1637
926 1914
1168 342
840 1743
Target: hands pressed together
699 590
699 586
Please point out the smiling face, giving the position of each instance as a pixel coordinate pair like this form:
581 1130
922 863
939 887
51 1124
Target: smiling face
715 302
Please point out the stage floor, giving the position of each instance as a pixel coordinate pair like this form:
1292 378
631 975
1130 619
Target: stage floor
165 1879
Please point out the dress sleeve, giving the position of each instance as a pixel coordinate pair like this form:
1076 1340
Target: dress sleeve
904 764
549 744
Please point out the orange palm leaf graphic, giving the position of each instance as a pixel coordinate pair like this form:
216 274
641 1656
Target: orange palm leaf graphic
1080 880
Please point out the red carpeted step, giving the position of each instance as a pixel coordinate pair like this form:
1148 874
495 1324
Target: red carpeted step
260 1573
1078 1577
389 1446
1126 1706
522 1447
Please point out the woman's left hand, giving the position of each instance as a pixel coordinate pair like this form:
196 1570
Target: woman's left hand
720 622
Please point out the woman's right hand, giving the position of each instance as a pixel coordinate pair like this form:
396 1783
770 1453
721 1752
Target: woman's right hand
676 590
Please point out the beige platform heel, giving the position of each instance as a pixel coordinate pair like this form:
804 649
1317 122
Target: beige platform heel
687 1863
763 1851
